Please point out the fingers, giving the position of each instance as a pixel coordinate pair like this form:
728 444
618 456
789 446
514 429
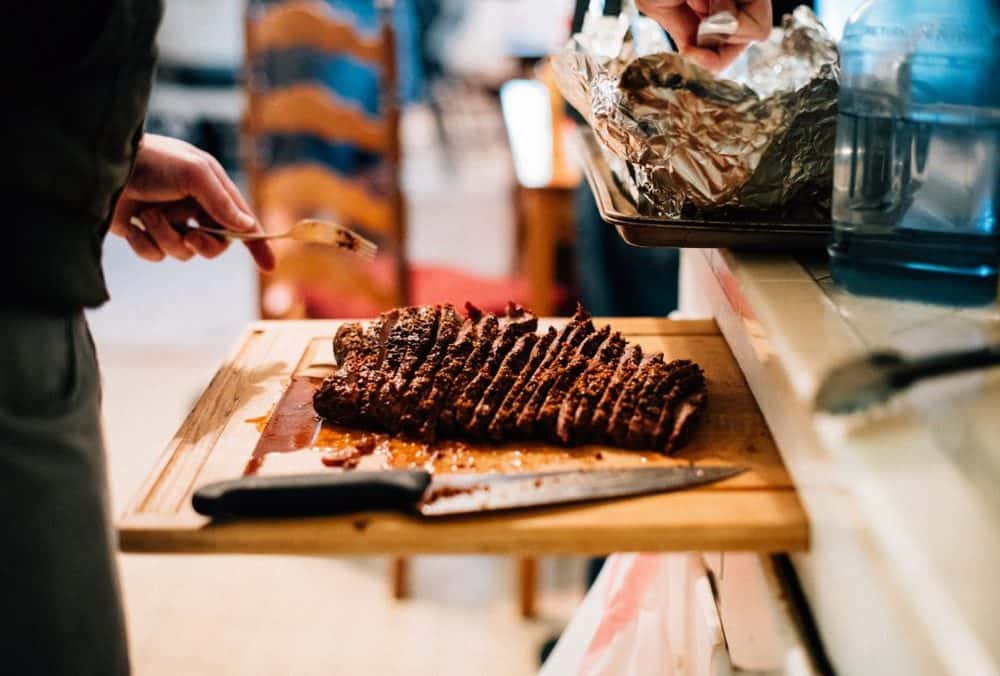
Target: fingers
143 245
204 244
203 184
714 60
676 17
164 235
228 184
262 254
210 245
680 18
755 19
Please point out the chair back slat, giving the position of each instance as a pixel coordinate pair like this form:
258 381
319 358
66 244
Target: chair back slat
309 24
293 192
309 108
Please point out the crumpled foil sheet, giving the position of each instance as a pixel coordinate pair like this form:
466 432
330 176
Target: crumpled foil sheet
759 138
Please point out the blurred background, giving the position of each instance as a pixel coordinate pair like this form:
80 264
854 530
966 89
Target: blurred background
432 126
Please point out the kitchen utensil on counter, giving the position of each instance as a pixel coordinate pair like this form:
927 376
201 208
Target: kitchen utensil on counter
876 377
311 230
438 495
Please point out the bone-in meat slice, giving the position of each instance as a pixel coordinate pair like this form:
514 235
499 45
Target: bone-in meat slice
506 411
580 401
597 428
517 323
548 412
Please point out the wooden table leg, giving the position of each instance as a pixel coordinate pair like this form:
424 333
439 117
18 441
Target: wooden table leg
527 582
399 572
539 249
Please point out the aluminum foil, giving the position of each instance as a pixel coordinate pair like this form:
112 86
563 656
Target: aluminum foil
759 138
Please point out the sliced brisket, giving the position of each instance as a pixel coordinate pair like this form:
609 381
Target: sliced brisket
517 323
547 376
422 423
579 403
596 429
447 421
506 411
506 374
621 414
448 330
427 373
410 352
548 412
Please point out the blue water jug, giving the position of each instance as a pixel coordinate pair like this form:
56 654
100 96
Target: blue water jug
917 170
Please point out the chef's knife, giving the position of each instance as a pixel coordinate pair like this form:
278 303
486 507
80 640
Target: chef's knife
417 491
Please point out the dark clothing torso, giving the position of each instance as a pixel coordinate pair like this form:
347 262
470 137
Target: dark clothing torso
76 80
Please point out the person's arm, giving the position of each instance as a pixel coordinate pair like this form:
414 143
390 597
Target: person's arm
171 183
680 18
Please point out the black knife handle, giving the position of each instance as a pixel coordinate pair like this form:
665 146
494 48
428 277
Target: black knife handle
313 494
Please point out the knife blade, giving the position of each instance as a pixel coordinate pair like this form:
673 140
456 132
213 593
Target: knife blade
417 491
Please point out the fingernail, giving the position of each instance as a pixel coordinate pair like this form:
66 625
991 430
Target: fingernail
247 222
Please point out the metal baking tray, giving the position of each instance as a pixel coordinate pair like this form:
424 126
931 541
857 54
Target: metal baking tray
618 209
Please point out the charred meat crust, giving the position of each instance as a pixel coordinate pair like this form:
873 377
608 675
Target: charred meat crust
506 410
493 396
447 420
548 412
426 373
517 323
622 412
448 330
627 366
422 423
406 355
528 416
578 406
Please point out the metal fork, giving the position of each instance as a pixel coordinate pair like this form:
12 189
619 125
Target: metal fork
307 230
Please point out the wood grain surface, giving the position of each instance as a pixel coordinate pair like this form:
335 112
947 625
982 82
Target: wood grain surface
758 510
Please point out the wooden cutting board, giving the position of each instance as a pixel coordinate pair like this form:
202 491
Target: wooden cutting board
266 384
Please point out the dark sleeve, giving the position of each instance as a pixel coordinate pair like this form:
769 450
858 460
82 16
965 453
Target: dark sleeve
38 36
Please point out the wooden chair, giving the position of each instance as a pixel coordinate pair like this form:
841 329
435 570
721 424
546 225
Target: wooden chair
372 202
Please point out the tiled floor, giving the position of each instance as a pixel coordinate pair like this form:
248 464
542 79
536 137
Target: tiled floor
160 338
